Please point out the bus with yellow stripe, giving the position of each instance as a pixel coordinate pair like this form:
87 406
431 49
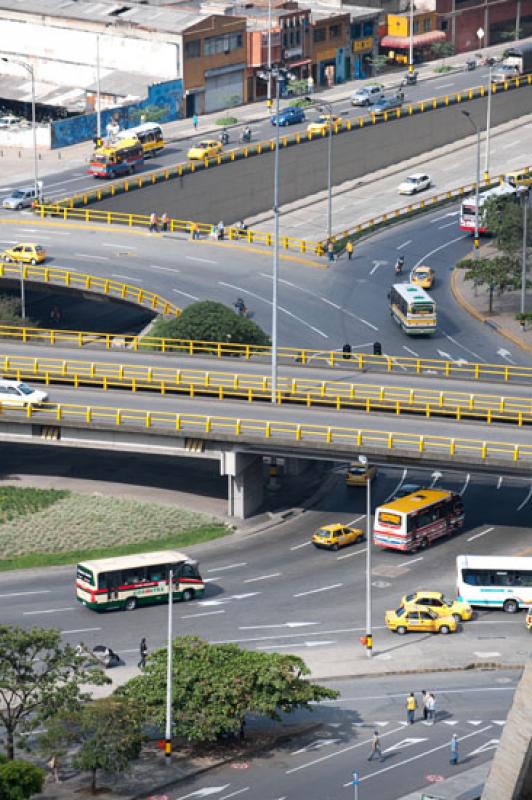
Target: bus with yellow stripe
413 309
126 582
149 134
415 521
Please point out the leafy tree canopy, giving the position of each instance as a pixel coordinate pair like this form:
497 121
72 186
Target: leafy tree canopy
216 686
505 220
20 780
39 677
209 321
496 274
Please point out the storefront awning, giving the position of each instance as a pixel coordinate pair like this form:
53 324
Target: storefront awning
300 63
420 40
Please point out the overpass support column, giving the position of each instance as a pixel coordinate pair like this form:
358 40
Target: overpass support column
245 484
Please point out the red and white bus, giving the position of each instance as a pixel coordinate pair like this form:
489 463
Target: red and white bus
415 521
120 158
468 208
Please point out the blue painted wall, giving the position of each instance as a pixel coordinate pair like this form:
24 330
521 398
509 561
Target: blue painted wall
166 97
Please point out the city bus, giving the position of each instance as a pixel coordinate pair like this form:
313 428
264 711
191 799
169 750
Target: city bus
505 191
119 158
415 521
413 309
149 134
137 580
495 581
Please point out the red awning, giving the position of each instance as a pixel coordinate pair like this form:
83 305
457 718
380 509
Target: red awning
300 63
421 40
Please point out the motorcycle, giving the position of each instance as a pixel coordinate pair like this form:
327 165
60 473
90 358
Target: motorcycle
241 308
224 137
399 265
246 136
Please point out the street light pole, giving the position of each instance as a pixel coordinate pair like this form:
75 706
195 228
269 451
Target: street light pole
322 105
276 241
269 53
369 631
169 674
523 265
488 127
98 96
477 182
411 39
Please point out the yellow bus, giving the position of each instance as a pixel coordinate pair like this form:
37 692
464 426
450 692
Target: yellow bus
150 136
120 158
413 522
137 580
413 309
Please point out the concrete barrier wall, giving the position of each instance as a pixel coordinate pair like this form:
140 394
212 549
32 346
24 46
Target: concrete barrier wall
243 188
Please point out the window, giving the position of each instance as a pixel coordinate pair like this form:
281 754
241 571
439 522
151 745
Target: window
334 31
367 28
445 24
356 30
319 35
193 49
214 45
188 571
156 573
132 576
416 27
426 25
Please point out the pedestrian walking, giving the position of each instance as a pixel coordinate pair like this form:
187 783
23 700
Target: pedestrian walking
411 705
330 251
349 249
164 221
454 749
431 708
54 768
154 222
221 230
424 699
195 121
376 749
194 230
214 232
143 649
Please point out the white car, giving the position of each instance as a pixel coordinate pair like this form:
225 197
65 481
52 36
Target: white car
414 183
9 121
20 198
20 395
367 95
504 72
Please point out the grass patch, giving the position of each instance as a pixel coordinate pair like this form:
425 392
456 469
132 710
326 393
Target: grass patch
59 527
226 121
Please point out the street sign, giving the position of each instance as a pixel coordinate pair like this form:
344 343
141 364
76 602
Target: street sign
356 778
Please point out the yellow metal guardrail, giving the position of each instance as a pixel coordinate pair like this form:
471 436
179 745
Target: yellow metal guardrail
252 388
88 283
191 227
292 355
270 431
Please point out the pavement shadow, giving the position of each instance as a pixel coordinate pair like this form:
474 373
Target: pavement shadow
403 644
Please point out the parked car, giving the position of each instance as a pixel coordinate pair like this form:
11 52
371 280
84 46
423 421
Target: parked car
415 183
20 198
367 95
388 104
288 116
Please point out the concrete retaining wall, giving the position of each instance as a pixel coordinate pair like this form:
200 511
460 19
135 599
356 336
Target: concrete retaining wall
244 188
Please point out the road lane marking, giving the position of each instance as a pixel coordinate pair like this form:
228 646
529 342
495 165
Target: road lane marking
392 695
80 630
95 258
23 594
447 225
466 484
297 635
234 794
203 260
297 546
262 577
466 349
499 481
403 476
355 520
410 561
343 750
119 244
301 644
203 614
330 303
164 269
360 319
419 755
350 555
48 611
404 244
441 247
482 533
229 566
186 294
444 85
280 625
321 589
525 501
409 350
127 277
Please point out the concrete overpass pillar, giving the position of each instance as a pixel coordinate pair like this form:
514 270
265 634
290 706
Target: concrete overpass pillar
244 483
297 466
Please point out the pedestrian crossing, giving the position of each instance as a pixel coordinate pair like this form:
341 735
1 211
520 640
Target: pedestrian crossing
450 722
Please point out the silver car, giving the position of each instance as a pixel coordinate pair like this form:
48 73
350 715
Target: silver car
20 198
367 95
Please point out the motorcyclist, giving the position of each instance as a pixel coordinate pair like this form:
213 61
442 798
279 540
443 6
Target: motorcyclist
241 307
224 137
399 265
246 134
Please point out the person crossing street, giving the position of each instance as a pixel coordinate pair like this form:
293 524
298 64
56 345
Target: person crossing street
411 705
376 749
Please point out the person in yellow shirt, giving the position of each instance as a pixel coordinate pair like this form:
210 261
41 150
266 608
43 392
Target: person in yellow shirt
349 249
411 705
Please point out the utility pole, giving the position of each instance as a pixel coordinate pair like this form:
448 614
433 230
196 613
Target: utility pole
169 687
523 265
477 182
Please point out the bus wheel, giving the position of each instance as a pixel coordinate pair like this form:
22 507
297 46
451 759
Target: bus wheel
130 604
510 606
187 595
401 630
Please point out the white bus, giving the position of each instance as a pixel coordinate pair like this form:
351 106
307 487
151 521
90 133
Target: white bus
468 209
495 581
412 308
137 580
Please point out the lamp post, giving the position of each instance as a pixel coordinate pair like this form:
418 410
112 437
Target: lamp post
327 107
477 182
488 126
98 95
169 676
523 265
411 39
369 631
269 54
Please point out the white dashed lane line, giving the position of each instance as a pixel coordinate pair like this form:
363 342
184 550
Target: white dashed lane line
262 577
482 533
186 294
321 589
228 566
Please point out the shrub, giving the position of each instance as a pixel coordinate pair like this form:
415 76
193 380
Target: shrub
226 121
209 321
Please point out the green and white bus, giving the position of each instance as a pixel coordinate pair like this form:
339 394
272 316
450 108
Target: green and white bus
413 309
138 580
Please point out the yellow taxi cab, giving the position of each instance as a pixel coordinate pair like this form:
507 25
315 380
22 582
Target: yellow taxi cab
422 276
441 605
26 253
207 148
415 619
528 620
331 537
519 177
323 122
359 474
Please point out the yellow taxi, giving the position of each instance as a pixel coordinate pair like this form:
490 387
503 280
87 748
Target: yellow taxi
207 148
359 474
403 620
323 122
25 253
441 605
422 276
331 537
528 620
519 177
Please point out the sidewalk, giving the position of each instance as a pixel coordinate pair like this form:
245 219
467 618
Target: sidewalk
17 164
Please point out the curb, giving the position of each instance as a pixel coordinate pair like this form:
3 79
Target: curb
472 311
475 665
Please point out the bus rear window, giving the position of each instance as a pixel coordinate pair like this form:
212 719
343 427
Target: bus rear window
85 575
387 518
422 308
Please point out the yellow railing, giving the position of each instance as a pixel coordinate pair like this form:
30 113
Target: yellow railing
251 388
291 355
273 431
88 283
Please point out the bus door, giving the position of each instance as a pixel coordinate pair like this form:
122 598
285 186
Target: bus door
111 582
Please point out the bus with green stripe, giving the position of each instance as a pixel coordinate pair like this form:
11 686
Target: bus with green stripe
126 582
413 309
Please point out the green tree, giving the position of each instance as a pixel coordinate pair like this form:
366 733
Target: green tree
497 274
105 733
208 321
216 686
39 677
20 780
504 219
443 50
